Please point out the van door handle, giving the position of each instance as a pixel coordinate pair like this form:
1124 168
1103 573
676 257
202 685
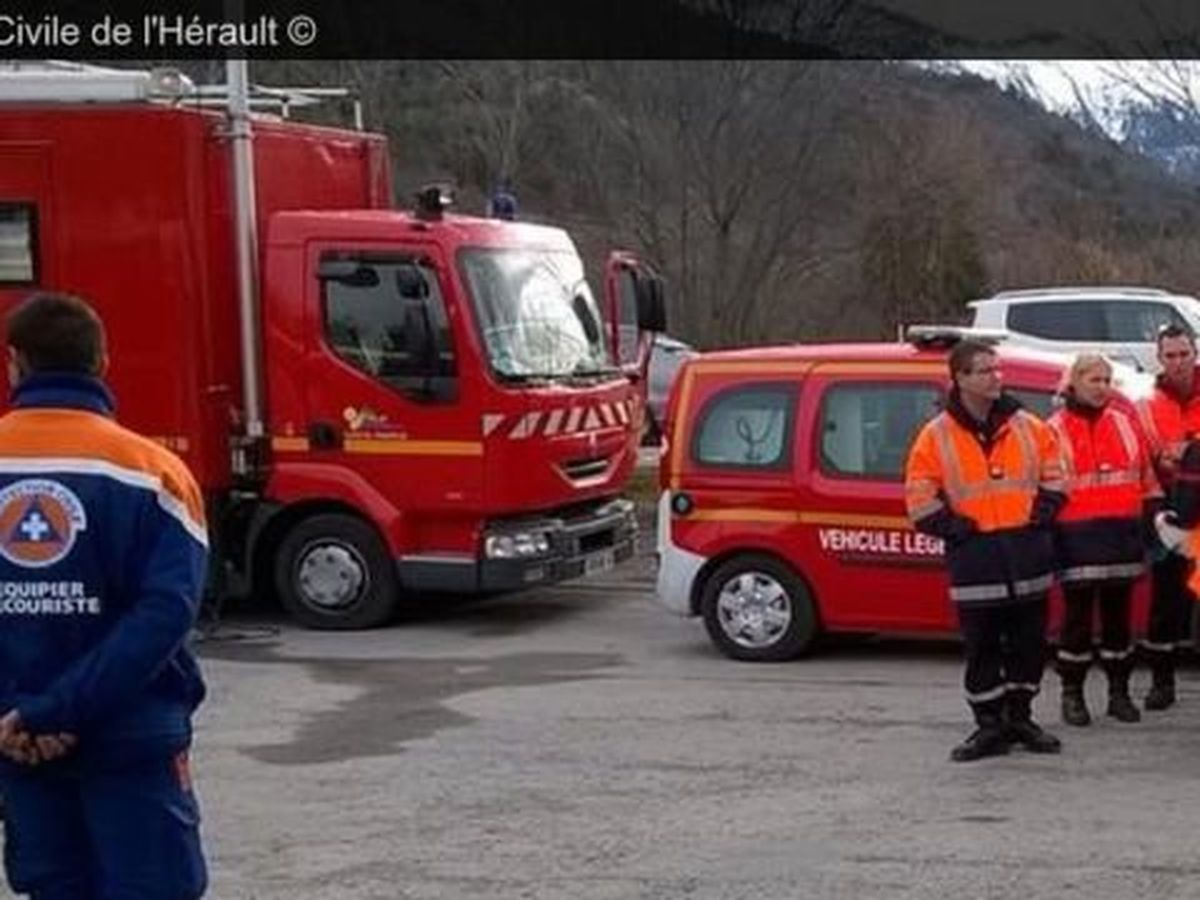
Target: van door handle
324 436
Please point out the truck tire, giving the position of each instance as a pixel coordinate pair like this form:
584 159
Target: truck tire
333 571
757 609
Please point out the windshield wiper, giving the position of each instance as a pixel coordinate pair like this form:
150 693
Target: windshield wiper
525 377
521 377
600 370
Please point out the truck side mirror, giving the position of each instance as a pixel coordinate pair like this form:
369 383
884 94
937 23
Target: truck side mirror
651 304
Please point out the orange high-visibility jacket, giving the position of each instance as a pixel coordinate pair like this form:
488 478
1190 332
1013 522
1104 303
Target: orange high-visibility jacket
1169 422
1110 483
992 501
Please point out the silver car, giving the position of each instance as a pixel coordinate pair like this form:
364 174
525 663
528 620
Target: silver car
666 356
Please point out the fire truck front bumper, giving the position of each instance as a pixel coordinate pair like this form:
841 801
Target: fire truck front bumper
525 552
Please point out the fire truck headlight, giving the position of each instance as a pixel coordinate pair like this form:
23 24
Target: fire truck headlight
500 546
517 545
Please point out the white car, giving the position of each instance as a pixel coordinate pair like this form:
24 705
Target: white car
667 355
1120 322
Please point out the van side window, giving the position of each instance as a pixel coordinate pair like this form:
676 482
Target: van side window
381 316
867 428
747 427
18 243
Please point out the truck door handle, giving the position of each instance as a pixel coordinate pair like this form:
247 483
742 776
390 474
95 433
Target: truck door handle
324 436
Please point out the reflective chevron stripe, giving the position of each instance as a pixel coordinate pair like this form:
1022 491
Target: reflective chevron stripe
560 421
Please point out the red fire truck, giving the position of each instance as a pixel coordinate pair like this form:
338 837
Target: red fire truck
377 403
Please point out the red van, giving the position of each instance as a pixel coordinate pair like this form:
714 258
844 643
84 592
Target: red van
782 506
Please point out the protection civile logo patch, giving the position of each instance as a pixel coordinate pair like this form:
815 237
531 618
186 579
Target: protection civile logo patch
39 522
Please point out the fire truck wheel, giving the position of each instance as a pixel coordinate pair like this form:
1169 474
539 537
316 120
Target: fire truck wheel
333 571
758 609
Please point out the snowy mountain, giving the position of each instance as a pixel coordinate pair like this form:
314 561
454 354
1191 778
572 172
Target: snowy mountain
1151 108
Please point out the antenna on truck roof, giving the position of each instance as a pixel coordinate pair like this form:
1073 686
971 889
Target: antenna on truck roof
281 100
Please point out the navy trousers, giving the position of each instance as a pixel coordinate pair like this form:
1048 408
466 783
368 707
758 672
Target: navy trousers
77 832
1005 647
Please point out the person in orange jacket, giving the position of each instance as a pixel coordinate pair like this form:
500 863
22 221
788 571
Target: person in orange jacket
1112 492
986 476
1171 419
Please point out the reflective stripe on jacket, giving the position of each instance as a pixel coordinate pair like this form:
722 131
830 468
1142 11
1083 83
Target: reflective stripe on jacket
995 482
1109 480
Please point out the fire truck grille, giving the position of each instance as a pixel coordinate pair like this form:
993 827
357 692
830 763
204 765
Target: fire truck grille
583 469
599 540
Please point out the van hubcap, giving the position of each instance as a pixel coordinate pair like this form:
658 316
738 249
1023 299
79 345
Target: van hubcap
331 576
754 610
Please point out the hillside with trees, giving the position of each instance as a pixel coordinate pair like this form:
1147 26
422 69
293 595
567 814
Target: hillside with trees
790 200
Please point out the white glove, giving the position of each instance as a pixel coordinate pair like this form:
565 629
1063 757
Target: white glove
1170 535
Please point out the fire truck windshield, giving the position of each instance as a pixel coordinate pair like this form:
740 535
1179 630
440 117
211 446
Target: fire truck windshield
536 313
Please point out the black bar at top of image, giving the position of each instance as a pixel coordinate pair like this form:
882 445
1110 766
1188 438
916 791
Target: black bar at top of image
570 29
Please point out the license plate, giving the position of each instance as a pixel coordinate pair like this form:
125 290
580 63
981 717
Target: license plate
599 562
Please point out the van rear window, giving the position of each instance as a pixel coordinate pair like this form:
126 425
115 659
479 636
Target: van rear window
18 240
747 427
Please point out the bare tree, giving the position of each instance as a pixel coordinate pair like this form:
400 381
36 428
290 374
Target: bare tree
719 158
921 247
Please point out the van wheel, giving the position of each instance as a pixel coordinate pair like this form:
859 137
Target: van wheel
333 571
758 610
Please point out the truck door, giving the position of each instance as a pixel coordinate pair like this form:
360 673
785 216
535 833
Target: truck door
385 395
634 310
884 573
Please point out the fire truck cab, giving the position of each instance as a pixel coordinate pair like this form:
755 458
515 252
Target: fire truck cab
781 512
377 403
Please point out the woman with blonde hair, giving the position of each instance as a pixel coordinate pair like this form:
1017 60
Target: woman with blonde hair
1111 491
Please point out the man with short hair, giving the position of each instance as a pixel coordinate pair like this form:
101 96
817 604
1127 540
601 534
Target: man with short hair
986 477
102 556
1171 419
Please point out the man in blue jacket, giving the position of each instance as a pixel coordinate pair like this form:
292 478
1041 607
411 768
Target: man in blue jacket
102 555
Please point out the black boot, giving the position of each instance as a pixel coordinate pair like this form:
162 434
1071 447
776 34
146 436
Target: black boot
989 739
1074 706
1120 706
1162 686
1023 730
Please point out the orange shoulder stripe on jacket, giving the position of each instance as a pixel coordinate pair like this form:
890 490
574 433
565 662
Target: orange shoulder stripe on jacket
77 434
